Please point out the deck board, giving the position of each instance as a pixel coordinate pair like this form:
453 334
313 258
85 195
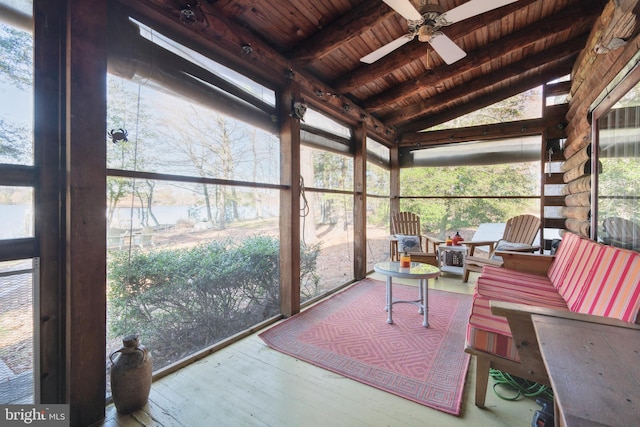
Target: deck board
250 384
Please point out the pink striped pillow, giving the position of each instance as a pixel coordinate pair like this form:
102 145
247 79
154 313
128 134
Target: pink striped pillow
613 290
579 272
564 256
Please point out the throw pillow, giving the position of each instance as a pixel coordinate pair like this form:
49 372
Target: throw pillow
408 243
504 245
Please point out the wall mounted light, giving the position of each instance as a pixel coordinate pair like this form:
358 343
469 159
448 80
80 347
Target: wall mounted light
188 16
298 109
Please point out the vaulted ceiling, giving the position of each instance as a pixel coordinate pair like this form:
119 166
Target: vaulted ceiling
320 43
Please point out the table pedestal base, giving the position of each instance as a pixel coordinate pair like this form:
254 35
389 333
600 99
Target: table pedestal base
422 302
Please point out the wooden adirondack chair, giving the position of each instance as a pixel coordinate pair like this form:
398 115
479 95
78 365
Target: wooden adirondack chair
519 234
621 232
408 224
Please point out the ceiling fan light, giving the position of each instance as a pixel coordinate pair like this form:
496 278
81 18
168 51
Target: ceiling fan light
425 33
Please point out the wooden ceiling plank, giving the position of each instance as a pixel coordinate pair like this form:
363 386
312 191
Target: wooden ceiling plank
341 31
503 47
281 28
561 69
235 8
400 116
412 51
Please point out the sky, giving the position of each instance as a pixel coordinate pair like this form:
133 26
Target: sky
16 105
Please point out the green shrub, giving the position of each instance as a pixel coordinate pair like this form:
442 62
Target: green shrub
183 300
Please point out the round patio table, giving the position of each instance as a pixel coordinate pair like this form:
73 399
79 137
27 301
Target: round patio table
421 272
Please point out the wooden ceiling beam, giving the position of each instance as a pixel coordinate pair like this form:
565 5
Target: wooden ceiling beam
562 68
412 51
561 21
341 31
553 119
474 133
214 36
558 89
426 107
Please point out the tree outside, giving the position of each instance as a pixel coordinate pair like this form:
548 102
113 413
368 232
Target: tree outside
465 196
440 216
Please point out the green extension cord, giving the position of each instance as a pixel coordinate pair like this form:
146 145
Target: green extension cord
522 387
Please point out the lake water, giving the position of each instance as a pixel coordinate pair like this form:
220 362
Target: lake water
16 221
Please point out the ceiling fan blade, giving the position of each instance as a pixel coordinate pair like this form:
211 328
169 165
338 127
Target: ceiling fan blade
446 48
386 49
472 8
405 9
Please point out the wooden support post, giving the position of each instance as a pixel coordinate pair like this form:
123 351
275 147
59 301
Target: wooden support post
49 123
289 202
394 205
85 133
360 203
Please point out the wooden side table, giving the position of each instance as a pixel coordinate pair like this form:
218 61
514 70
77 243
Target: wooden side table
451 258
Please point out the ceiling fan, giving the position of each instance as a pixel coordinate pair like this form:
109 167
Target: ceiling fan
426 25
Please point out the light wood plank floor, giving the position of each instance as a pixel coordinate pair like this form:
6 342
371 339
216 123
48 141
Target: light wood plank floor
249 384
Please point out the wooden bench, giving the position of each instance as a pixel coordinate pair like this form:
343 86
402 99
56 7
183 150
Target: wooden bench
583 278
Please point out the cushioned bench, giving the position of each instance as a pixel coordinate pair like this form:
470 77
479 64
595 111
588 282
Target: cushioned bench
583 277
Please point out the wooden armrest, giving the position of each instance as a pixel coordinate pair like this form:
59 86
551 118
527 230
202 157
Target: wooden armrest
433 242
473 244
510 309
527 249
524 335
482 261
434 239
524 338
478 242
526 262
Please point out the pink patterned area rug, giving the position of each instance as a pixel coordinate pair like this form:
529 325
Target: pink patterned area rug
348 334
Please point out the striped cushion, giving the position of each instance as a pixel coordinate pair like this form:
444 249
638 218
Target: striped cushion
491 333
613 289
514 286
490 342
482 317
487 332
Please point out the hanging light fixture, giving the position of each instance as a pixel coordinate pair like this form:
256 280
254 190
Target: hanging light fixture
425 33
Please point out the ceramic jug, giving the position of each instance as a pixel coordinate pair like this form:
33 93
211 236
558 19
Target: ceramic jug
457 239
130 375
